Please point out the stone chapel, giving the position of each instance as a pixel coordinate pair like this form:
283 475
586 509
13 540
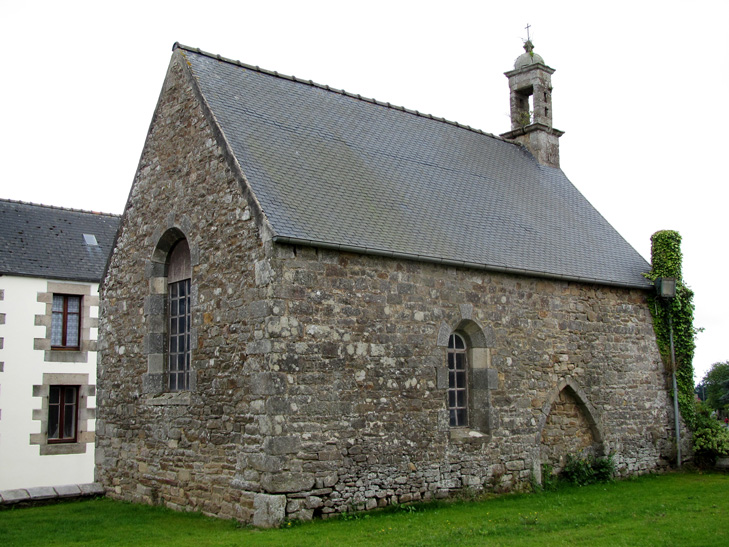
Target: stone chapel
319 302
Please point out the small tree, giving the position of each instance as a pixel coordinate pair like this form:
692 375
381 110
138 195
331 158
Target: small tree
715 385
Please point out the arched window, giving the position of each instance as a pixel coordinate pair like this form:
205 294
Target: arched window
179 274
457 380
466 378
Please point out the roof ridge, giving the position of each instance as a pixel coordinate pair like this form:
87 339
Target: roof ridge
58 207
199 51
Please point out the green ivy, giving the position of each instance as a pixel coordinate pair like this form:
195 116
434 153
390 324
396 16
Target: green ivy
666 259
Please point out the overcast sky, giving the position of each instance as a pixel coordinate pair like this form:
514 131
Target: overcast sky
640 89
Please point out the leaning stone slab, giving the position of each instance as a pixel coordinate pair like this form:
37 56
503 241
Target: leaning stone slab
14 496
41 493
268 511
67 490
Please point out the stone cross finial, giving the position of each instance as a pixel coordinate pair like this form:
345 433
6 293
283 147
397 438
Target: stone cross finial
528 46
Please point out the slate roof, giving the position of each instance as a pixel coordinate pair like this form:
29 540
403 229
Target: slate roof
335 170
48 242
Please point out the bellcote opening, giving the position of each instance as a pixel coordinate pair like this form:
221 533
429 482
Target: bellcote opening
530 85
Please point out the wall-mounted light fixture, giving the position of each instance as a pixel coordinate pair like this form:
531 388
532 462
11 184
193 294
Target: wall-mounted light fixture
666 287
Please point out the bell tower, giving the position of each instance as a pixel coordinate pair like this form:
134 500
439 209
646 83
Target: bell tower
530 85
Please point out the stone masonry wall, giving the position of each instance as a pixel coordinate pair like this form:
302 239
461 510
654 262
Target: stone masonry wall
179 450
319 375
357 393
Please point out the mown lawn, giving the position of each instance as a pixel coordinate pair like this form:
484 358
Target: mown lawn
676 509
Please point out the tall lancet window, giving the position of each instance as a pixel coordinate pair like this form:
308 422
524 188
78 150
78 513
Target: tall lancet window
179 274
457 380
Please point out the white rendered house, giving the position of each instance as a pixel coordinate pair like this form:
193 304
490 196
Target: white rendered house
51 261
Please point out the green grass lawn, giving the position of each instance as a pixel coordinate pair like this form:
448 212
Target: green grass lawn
675 509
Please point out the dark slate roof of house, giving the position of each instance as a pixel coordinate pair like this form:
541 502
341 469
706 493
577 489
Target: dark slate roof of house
335 170
50 242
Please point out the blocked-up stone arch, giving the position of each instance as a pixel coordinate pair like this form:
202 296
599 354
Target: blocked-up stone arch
569 425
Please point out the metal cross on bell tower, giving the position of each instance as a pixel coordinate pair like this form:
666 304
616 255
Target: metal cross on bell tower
528 46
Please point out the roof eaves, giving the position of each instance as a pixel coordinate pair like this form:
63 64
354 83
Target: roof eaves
457 263
58 208
79 279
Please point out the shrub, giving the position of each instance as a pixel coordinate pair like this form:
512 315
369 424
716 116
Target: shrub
711 439
582 471
603 468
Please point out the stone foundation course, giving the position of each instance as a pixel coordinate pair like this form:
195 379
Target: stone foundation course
46 494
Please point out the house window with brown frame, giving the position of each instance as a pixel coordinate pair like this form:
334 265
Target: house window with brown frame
66 322
62 414
457 381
